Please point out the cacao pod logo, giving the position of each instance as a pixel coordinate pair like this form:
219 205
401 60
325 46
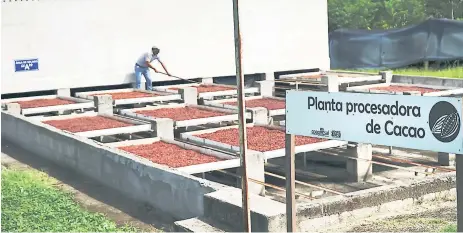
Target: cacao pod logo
444 121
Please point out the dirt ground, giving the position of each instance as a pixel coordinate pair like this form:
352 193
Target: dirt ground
429 221
90 194
423 218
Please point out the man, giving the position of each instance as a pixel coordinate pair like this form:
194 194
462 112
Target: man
142 67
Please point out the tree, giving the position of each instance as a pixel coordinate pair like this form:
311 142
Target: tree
351 13
450 9
387 14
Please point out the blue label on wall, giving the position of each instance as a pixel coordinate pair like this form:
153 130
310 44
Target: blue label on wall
26 65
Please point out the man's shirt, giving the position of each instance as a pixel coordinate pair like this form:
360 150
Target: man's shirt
150 57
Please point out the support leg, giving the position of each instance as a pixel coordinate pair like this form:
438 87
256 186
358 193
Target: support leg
360 169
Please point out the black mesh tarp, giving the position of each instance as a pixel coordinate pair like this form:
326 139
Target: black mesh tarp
432 40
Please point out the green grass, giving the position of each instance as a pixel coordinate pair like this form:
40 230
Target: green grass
450 228
456 72
31 203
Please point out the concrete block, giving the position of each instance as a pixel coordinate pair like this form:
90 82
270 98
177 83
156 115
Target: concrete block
259 115
361 169
207 80
265 87
13 108
225 206
317 193
189 95
386 76
255 169
433 81
196 225
63 92
269 76
445 159
164 128
361 204
103 104
331 81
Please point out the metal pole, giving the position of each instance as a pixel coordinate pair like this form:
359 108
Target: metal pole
241 119
290 183
459 181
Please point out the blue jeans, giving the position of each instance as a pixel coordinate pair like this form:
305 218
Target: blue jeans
145 72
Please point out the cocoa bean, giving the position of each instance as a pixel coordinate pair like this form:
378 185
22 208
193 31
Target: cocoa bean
397 88
259 138
270 104
43 103
127 95
169 154
83 124
180 114
208 88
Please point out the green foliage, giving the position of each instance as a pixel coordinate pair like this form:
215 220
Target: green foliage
30 203
455 72
450 228
449 73
450 9
351 13
387 14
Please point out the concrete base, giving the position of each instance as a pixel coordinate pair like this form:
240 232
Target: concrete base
207 80
224 207
361 169
255 165
269 76
328 212
386 76
104 104
63 92
265 87
189 95
259 115
164 128
174 192
446 159
13 108
332 82
197 225
434 81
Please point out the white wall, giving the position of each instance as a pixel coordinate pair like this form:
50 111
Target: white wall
96 42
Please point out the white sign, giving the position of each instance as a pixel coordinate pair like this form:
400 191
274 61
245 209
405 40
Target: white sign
415 122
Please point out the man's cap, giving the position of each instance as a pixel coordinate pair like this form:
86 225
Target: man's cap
154 48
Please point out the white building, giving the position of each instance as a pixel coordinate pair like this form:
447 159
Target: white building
83 43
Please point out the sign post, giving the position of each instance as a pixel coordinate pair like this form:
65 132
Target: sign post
414 122
241 119
290 184
459 164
